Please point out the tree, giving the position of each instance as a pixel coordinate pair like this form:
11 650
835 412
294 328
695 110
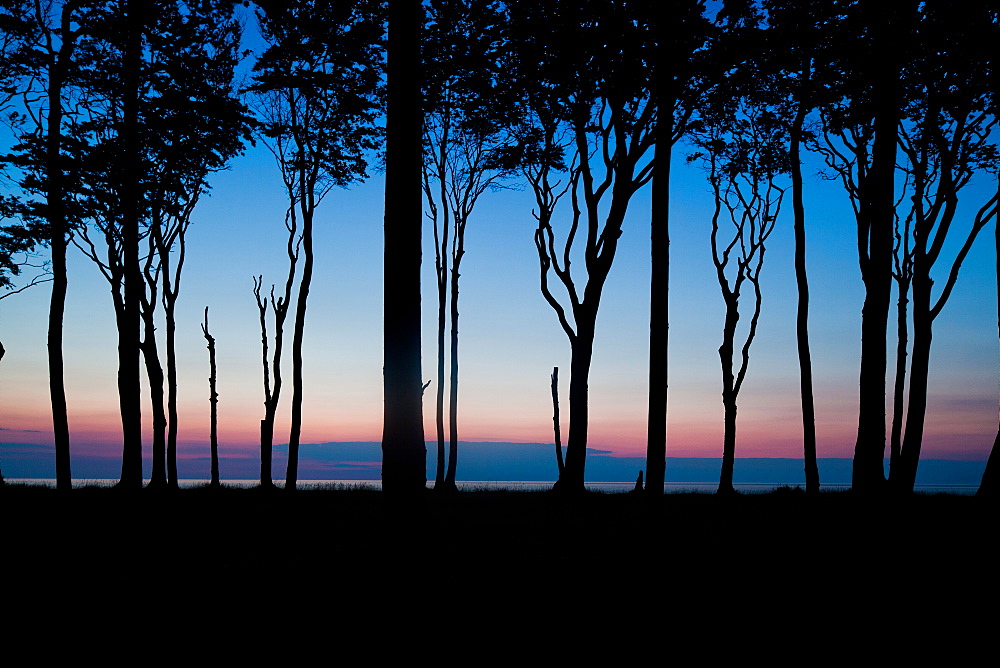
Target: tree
742 147
797 43
404 455
990 483
213 400
42 45
318 83
676 88
190 124
859 140
464 140
945 141
585 83
272 364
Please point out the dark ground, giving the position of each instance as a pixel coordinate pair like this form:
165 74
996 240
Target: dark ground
770 575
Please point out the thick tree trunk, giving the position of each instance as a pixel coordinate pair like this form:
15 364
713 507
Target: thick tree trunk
659 311
129 373
802 311
728 397
581 355
404 456
266 448
876 243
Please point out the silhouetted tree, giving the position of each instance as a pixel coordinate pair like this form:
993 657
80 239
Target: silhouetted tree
41 57
680 32
213 400
990 483
945 141
584 78
404 455
793 70
859 144
192 124
318 84
742 148
278 306
463 141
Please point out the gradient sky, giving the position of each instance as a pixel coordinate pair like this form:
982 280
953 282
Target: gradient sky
510 338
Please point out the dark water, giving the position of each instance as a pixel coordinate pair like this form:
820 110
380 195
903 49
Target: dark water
611 487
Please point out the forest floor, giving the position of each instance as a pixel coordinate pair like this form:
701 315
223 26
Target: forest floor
693 569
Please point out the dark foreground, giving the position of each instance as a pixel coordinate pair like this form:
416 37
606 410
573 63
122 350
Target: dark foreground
771 574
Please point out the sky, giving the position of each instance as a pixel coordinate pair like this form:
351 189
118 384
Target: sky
509 337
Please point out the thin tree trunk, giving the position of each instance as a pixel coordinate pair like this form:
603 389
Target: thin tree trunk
441 268
171 343
213 401
555 419
458 251
899 383
404 456
58 230
802 312
909 455
154 372
292 471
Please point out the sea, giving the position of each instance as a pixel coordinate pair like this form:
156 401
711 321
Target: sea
511 485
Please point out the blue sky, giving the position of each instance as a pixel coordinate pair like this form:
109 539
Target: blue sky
510 338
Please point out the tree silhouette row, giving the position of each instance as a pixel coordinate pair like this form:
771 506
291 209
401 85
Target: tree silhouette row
121 111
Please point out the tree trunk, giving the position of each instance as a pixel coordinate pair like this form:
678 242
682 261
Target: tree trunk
875 245
456 262
441 268
57 384
404 456
213 401
802 312
555 420
171 326
899 383
154 372
129 374
58 230
292 470
990 484
659 312
581 354
909 456
266 447
728 396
